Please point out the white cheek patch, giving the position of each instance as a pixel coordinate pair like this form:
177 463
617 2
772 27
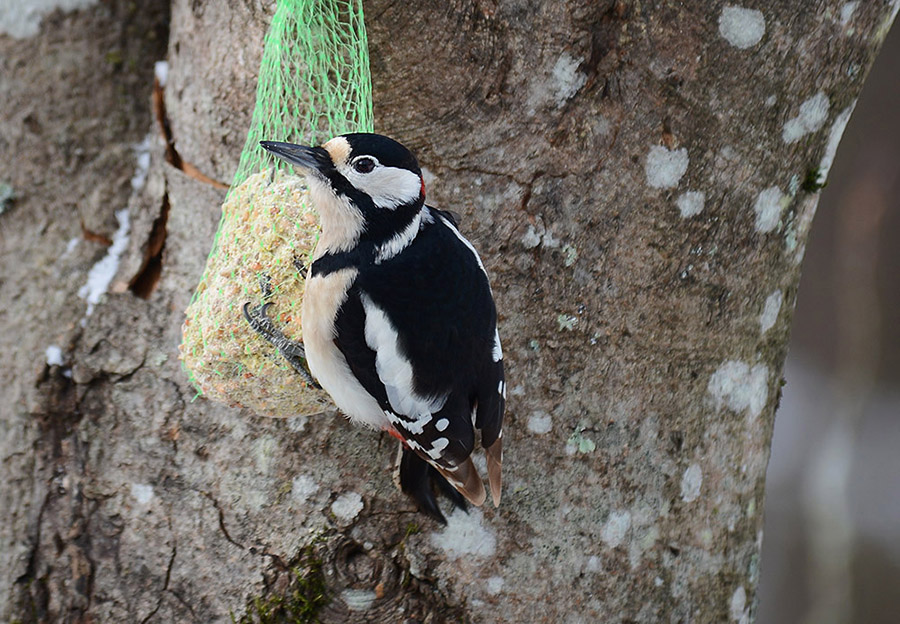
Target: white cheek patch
388 187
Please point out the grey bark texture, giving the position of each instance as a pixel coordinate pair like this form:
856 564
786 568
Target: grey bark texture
640 178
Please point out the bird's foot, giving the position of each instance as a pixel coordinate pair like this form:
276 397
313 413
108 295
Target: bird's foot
290 350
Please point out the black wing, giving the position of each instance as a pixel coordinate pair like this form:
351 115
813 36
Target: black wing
432 305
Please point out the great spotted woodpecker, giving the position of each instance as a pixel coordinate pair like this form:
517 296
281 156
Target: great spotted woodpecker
399 323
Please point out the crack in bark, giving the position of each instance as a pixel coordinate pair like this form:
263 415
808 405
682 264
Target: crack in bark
165 129
166 581
147 277
222 526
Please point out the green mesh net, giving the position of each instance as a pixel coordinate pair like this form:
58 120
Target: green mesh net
314 84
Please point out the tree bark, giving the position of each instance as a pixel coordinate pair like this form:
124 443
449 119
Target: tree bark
640 179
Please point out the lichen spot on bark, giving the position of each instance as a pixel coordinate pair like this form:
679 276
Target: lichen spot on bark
742 28
665 168
740 387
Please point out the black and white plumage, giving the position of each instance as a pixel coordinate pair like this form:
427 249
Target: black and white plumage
399 324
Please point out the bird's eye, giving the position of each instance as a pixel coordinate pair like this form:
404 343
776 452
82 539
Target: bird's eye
364 165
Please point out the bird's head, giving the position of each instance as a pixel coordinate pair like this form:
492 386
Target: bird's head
364 186
368 170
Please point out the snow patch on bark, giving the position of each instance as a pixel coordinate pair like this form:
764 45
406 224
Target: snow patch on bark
102 273
161 72
142 164
53 355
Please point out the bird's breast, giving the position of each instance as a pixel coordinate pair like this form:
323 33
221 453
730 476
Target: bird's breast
324 296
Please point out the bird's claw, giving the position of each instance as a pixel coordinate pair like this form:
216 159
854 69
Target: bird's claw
290 350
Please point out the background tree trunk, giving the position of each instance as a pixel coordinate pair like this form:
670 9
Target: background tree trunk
640 179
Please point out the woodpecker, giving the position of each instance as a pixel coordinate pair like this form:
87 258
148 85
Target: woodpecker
398 319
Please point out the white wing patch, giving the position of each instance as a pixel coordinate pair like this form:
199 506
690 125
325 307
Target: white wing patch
437 446
498 350
395 371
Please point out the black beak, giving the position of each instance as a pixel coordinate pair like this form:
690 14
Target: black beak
314 158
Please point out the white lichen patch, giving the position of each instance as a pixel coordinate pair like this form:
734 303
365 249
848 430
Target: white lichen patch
538 234
297 424
554 86
578 442
847 12
264 450
691 481
494 585
770 310
740 387
742 28
566 322
812 116
531 238
690 203
302 487
540 423
22 18
570 254
53 354
102 273
737 606
769 205
664 168
616 528
567 80
347 506
834 140
464 536
142 493
358 599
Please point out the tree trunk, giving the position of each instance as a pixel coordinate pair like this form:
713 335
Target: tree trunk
640 178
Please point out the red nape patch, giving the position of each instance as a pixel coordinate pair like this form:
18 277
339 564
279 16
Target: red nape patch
397 435
422 192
